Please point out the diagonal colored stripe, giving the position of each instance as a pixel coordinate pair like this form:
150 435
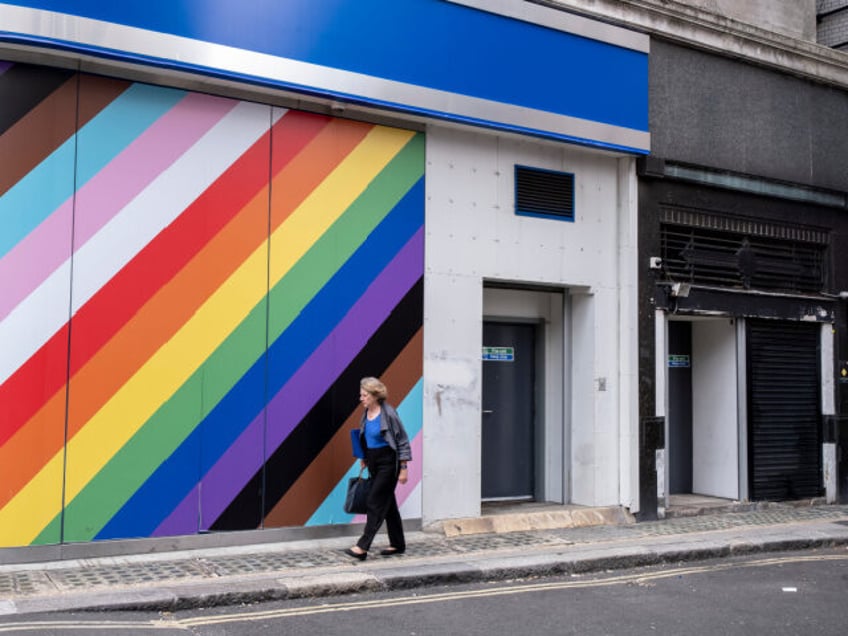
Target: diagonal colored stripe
52 122
32 199
5 66
294 505
246 397
41 251
176 361
120 298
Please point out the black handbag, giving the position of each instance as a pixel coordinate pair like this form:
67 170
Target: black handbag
356 500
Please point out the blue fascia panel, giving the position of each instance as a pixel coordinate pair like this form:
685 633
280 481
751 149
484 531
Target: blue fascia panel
433 45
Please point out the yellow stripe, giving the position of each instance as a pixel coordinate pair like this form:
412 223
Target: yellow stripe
23 518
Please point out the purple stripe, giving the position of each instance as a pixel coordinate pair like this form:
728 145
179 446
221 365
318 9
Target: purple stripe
38 255
5 66
238 465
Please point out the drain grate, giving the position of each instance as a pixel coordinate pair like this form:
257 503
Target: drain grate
128 574
498 541
248 564
21 583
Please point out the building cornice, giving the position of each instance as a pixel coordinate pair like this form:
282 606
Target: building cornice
693 27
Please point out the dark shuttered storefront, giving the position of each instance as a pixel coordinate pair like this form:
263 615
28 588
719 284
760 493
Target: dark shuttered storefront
784 410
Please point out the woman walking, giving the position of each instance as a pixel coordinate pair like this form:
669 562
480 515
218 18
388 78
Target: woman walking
387 452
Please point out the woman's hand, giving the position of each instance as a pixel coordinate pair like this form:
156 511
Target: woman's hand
362 464
403 475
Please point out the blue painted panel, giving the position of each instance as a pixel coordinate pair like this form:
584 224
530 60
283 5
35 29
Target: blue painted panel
427 43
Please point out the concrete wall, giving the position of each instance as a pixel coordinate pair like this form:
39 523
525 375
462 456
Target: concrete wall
716 112
472 235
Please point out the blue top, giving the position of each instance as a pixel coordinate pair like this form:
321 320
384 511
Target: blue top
373 437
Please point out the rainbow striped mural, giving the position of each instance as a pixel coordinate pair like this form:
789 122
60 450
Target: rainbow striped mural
190 289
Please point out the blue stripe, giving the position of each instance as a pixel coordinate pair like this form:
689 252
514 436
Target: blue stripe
411 414
178 475
35 197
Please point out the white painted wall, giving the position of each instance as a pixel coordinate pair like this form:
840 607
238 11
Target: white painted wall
715 441
472 234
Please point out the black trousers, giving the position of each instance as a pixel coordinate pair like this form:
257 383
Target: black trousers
382 505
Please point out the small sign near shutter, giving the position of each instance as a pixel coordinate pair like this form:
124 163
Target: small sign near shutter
499 354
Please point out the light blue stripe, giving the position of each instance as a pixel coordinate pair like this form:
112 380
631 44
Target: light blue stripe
35 197
410 411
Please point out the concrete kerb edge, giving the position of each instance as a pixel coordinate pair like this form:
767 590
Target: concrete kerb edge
184 597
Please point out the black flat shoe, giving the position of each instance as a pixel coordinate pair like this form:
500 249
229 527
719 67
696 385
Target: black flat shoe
356 555
391 551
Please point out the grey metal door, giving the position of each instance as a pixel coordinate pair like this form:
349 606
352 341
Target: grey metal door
508 410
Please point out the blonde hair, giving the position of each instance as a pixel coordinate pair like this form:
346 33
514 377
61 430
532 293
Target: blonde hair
374 387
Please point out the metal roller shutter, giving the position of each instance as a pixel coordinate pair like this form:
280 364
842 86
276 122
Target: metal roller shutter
784 410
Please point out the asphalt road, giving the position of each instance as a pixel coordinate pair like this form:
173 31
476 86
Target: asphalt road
782 593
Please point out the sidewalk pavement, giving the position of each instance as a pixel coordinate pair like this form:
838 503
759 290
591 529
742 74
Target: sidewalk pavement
223 576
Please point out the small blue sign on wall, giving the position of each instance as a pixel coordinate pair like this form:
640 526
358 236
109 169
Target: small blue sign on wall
678 361
499 354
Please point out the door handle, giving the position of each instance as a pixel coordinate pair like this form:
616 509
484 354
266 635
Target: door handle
487 412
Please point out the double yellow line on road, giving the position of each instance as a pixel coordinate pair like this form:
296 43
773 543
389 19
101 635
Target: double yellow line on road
180 625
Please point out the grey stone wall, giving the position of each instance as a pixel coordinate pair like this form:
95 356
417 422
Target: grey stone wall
796 18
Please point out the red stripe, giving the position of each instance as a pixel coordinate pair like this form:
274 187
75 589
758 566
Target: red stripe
116 302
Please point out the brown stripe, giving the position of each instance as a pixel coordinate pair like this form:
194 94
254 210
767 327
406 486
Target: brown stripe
96 93
51 123
331 464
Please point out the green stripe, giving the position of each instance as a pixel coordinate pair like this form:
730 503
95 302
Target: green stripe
136 461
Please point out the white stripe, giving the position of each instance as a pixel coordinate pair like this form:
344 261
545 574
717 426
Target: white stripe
45 310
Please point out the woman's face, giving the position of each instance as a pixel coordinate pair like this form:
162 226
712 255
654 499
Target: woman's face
366 399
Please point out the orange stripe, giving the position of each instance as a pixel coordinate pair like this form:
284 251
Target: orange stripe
316 482
24 454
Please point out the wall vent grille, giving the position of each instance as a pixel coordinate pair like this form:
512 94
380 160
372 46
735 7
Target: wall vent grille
704 249
544 193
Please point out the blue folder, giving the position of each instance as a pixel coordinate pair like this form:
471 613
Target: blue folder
358 451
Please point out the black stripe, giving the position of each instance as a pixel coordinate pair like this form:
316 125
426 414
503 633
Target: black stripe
23 87
314 431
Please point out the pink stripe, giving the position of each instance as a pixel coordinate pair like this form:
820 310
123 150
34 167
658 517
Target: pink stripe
32 260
